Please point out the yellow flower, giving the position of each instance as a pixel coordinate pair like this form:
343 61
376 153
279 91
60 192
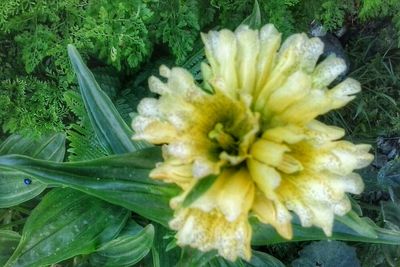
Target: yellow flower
253 124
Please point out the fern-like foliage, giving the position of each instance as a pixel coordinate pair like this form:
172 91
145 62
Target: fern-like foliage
331 14
177 25
31 106
232 12
194 60
83 142
117 31
33 38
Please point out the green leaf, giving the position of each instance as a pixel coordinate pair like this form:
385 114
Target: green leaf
83 143
327 254
254 20
132 244
121 179
8 243
48 147
194 257
200 188
261 259
111 130
66 223
194 61
13 190
361 225
391 217
266 235
164 251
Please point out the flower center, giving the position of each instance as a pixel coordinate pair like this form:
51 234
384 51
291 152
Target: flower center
233 132
225 140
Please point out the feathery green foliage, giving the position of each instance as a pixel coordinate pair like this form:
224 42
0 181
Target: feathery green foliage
83 142
38 32
373 9
177 25
30 106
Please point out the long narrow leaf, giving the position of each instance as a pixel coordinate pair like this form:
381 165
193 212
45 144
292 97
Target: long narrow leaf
111 130
51 147
122 180
265 234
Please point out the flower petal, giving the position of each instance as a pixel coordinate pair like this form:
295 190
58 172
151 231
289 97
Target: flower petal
202 230
273 213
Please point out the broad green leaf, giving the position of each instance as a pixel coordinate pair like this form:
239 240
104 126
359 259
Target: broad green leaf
266 235
327 254
66 223
121 179
14 189
8 243
132 244
201 186
111 130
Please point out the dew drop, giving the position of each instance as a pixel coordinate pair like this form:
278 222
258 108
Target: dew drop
27 181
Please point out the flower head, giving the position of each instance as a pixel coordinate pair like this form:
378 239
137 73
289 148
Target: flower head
253 125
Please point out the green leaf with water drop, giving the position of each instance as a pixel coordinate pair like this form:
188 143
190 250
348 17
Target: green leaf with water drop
66 223
13 190
120 179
